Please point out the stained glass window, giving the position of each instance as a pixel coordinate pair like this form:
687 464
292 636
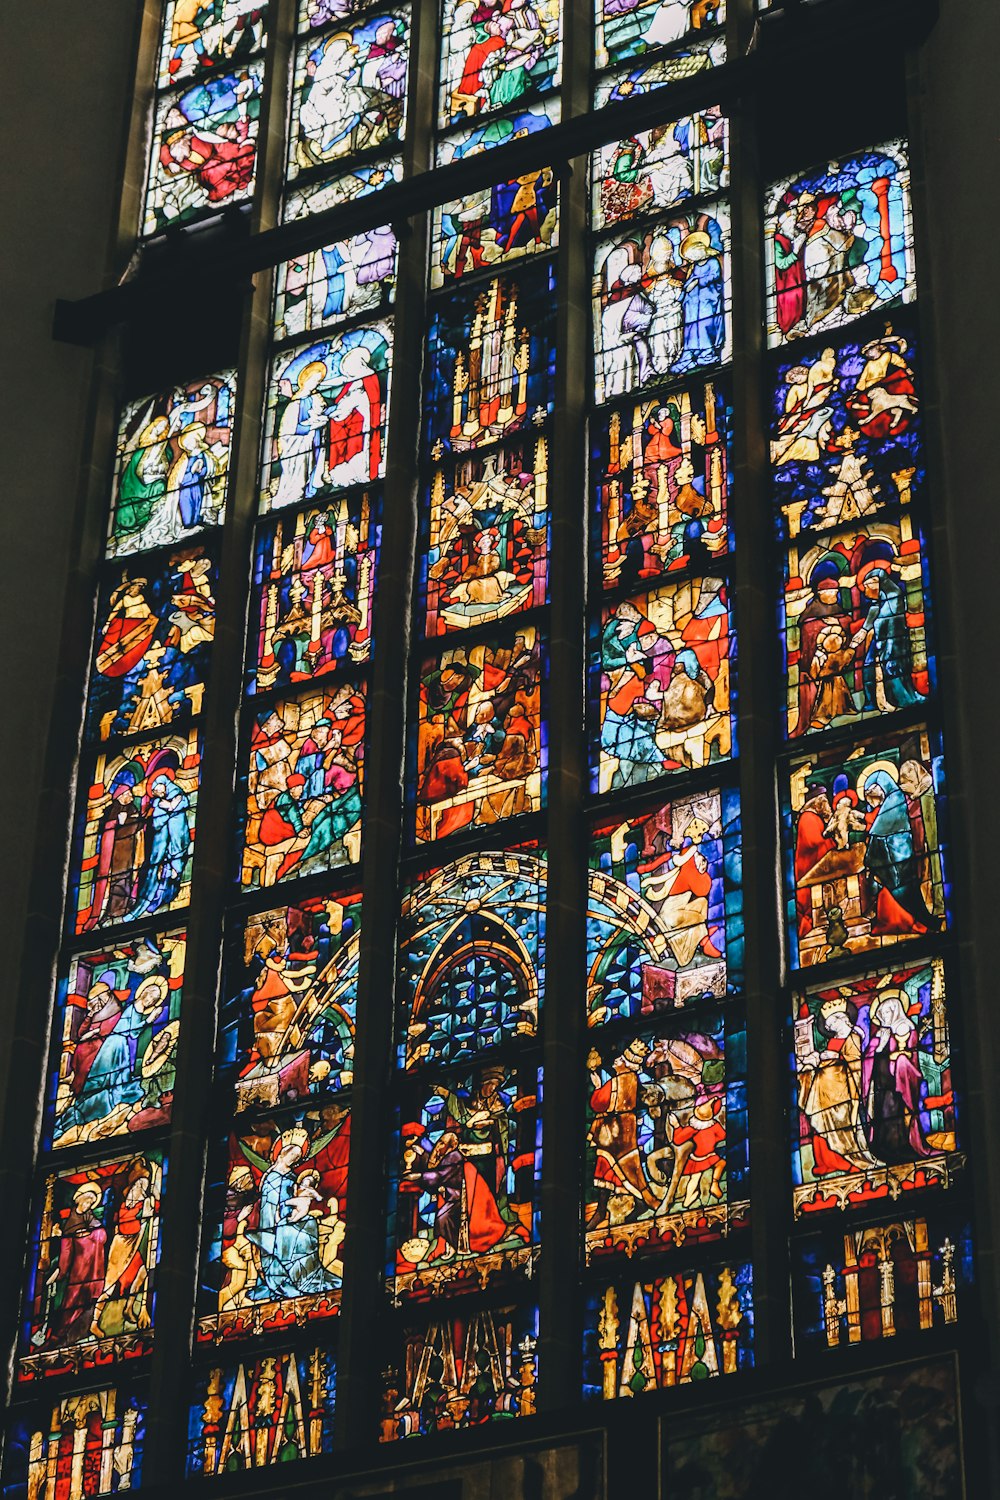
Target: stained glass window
93 1441
633 29
350 89
455 1373
272 1410
495 56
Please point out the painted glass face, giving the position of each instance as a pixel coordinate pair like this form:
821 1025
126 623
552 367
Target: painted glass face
314 591
135 832
92 1267
662 301
672 1330
839 244
874 1091
481 746
287 1028
496 56
303 786
257 1412
472 956
326 414
461 1371
666 1159
116 1032
661 467
173 463
275 1258
846 435
349 93
204 154
662 684
864 847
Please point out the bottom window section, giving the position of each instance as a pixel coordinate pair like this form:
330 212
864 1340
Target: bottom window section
275 1259
466 1190
675 1329
271 1410
461 1371
667 1136
76 1446
863 1284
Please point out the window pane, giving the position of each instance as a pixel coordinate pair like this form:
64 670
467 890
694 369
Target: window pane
349 93
494 225
102 1432
493 57
198 38
631 28
339 281
655 169
204 152
696 55
460 1372
255 1413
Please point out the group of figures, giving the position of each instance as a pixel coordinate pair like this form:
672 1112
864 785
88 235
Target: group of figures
326 416
173 462
840 244
662 467
117 1027
655 169
854 628
845 432
136 837
466 1182
480 750
661 684
92 1280
153 644
667 1129
278 1252
350 89
866 849
339 280
205 153
495 53
287 1028
876 1101
303 786
461 1372
661 302
314 591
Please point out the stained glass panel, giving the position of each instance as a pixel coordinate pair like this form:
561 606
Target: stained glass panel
661 689
864 847
349 93
115 1047
486 536
846 438
675 1330
135 838
661 468
494 56
303 786
857 1285
199 37
275 1257
326 413
630 28
92 1266
875 1099
287 1029
665 908
355 181
155 626
490 361
666 1160
472 956
204 151
462 1371
338 281
76 1446
173 461
696 55
839 243
662 301
853 627
481 746
314 591
494 225
255 1413
656 169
